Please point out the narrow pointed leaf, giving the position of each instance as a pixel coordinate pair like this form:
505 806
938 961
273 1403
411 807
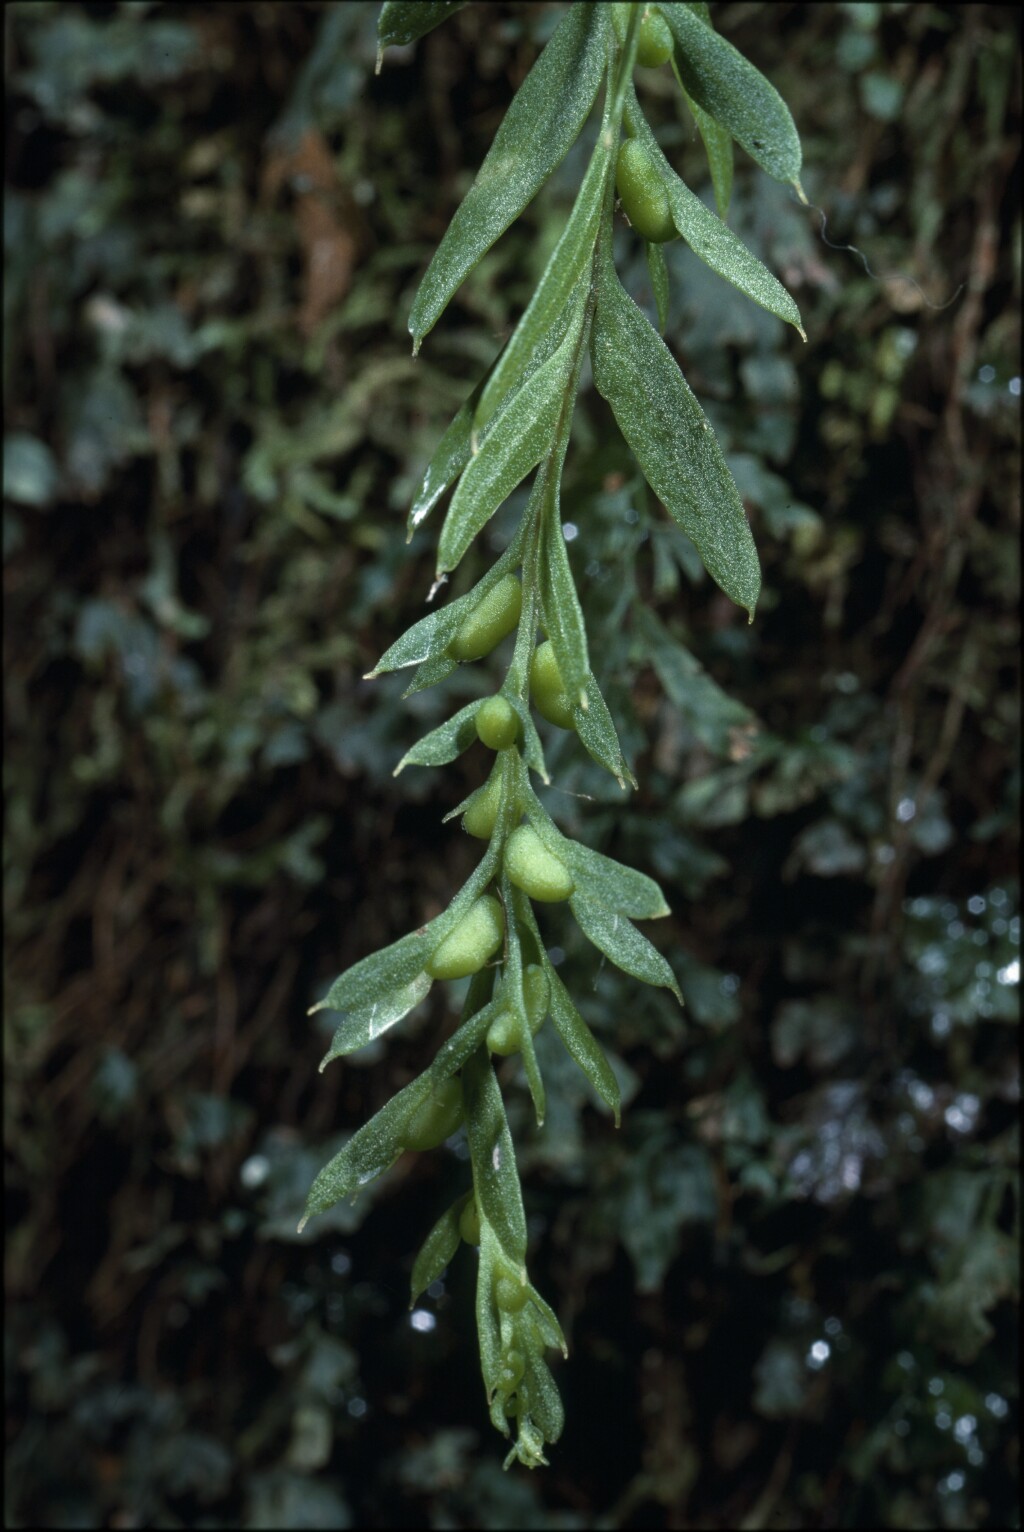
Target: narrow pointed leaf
658 273
430 673
512 989
597 734
718 148
368 1022
376 1146
488 1330
712 240
620 941
381 974
546 1320
375 977
495 1178
620 889
446 742
437 1251
717 140
560 605
538 130
581 1044
422 641
728 87
429 638
672 440
528 428
718 247
405 21
543 1401
537 331
451 455
530 746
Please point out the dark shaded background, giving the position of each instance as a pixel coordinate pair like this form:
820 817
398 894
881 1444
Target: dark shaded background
789 1282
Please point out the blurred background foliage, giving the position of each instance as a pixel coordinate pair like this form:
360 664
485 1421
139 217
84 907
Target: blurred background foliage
790 1281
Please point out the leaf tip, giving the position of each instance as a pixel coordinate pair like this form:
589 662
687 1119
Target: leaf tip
800 191
379 60
303 1221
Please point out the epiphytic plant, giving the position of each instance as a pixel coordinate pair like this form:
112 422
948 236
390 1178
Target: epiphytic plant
517 420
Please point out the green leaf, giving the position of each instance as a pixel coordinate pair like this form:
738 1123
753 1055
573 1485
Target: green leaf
376 1146
718 148
428 639
375 978
495 1178
620 889
581 1044
596 730
405 21
530 746
560 605
368 1022
446 742
487 1324
512 992
537 132
451 455
671 439
658 273
437 1251
709 711
712 240
620 940
541 1398
438 668
543 1316
728 87
506 456
543 324
717 140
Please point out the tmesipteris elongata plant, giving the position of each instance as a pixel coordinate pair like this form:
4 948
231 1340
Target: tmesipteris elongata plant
517 421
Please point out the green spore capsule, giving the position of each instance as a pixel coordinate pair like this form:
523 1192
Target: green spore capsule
437 1118
547 688
503 1035
534 869
510 1295
497 723
642 193
476 938
491 620
482 810
654 45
